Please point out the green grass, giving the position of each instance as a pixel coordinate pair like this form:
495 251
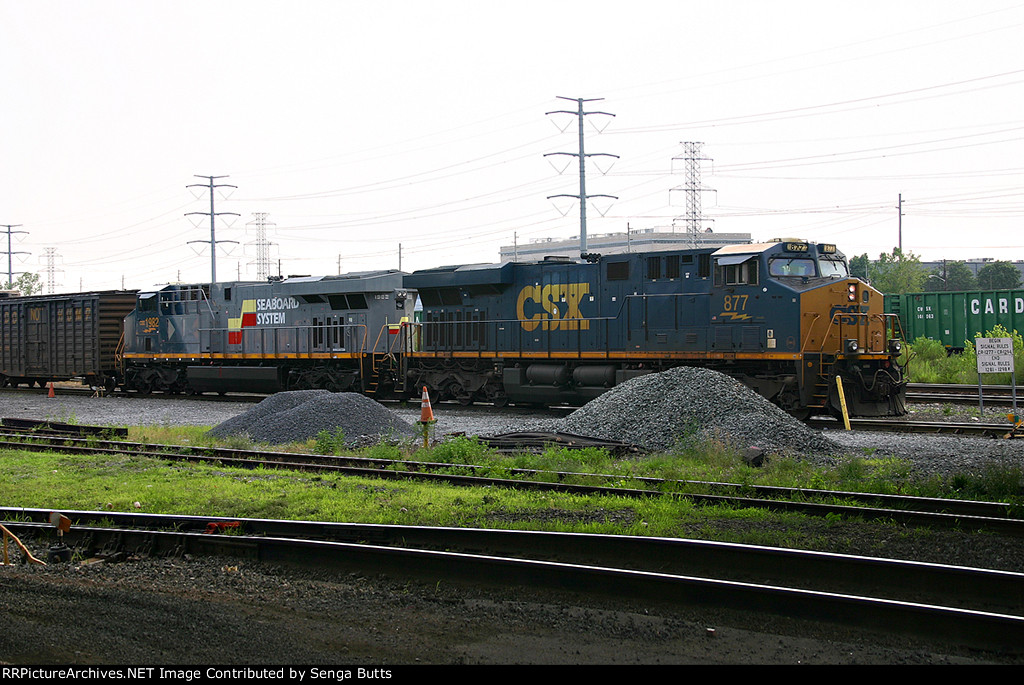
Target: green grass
118 482
930 363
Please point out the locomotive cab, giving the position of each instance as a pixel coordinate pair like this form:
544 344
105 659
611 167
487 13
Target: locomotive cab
844 341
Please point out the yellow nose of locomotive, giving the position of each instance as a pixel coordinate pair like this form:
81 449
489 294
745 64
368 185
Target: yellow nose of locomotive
847 334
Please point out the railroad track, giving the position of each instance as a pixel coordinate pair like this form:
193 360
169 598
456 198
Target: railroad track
988 430
84 391
965 606
928 512
993 395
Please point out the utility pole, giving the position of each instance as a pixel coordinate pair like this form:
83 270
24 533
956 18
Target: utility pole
10 267
899 236
582 157
212 214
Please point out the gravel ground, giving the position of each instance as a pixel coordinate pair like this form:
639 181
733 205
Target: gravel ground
200 611
223 611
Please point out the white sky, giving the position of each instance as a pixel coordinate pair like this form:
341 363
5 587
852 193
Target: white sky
360 126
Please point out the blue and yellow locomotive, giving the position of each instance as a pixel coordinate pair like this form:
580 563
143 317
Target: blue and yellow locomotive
783 317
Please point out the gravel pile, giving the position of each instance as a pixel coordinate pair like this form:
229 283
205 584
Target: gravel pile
685 406
302 414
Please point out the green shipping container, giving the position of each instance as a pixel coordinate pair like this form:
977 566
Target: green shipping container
953 318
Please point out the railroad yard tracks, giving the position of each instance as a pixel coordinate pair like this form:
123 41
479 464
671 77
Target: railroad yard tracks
952 393
988 430
980 608
941 513
986 610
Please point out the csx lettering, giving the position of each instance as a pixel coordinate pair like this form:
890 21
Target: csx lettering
850 310
549 297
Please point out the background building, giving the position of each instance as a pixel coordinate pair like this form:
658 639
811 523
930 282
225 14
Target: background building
645 240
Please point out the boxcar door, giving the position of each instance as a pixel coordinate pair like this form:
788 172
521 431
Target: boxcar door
36 336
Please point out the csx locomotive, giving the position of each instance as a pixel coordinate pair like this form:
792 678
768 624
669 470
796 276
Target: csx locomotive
783 317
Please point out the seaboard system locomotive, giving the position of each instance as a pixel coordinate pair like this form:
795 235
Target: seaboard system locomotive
339 333
784 317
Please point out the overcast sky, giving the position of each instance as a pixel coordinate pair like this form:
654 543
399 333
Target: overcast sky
357 127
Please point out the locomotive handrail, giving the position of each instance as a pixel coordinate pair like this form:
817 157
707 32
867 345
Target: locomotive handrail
248 331
838 316
119 355
163 297
518 330
389 348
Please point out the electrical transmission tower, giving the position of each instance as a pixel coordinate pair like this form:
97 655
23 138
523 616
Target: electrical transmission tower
10 267
694 216
583 174
51 270
262 245
212 214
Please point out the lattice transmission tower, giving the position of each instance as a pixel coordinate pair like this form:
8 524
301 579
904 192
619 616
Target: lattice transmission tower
261 224
694 218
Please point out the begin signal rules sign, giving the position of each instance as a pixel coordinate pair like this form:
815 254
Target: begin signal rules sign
995 355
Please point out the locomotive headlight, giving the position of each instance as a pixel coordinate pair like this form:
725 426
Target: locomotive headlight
851 346
851 294
895 347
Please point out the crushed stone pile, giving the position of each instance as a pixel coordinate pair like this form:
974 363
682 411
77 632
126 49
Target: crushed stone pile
301 414
684 406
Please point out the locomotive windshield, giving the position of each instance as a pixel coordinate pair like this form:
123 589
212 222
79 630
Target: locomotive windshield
832 268
792 266
804 267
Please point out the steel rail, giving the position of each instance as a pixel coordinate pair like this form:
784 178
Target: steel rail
997 626
991 430
956 393
949 506
318 463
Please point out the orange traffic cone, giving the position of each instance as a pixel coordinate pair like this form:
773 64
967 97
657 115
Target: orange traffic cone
426 413
50 394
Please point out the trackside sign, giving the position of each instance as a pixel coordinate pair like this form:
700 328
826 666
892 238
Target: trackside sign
995 355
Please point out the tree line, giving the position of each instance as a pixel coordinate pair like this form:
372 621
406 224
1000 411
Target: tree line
26 284
902 272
